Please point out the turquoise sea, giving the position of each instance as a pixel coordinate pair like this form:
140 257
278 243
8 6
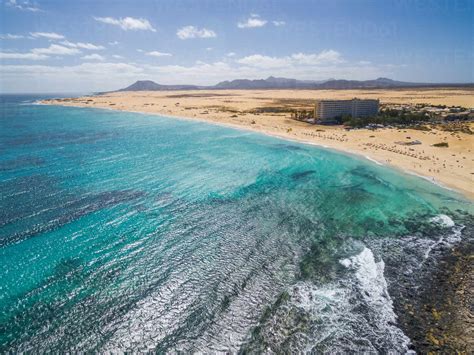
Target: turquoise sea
124 231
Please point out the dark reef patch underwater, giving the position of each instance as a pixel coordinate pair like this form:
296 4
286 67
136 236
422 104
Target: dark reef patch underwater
121 231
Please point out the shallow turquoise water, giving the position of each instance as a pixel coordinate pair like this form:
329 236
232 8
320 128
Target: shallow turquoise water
127 231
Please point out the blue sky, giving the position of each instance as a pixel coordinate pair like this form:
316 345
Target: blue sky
57 46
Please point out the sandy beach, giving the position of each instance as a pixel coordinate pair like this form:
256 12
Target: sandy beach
261 111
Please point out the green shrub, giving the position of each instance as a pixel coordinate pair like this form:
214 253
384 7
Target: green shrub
387 117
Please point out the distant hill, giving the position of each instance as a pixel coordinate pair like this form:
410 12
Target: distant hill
148 85
269 83
285 83
377 83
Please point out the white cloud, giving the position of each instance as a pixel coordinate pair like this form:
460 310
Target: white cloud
89 76
158 54
56 49
231 54
82 45
209 49
114 43
188 32
41 53
24 5
84 68
202 73
94 56
30 56
322 58
49 35
128 23
10 36
103 75
253 21
258 60
279 23
326 56
116 56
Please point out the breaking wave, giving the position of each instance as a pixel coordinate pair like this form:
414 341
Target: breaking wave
353 314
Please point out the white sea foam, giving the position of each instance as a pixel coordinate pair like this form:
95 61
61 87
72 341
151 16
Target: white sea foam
443 220
430 179
354 314
373 160
449 239
373 285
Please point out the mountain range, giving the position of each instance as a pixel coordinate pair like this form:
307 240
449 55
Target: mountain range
285 83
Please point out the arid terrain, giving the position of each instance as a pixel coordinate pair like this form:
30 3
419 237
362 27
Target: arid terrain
268 111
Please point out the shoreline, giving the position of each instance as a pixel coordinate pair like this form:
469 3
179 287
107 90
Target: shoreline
436 313
435 165
430 179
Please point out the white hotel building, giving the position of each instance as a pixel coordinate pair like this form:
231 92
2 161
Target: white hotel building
328 111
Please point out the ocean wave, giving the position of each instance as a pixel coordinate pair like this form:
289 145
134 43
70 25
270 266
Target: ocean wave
373 160
443 220
352 314
446 239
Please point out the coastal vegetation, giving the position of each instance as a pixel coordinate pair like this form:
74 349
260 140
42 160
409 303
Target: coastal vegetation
272 109
457 127
412 118
387 117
